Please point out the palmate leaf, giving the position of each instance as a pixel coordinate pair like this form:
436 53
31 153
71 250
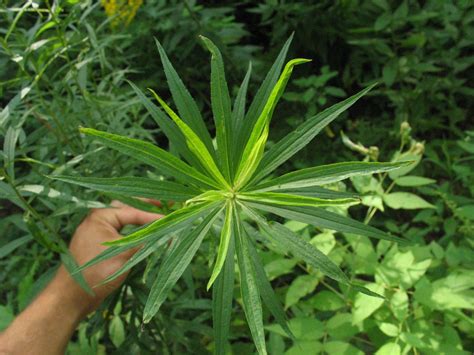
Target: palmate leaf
235 179
134 186
174 264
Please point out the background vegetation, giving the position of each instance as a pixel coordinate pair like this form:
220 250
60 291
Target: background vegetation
63 65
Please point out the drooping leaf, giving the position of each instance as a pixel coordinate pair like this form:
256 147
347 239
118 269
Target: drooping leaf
174 264
226 235
304 250
319 192
195 144
293 200
300 137
134 186
250 293
183 100
168 224
222 294
326 174
266 291
153 156
325 219
145 251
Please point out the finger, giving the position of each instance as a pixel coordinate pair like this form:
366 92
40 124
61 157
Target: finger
121 216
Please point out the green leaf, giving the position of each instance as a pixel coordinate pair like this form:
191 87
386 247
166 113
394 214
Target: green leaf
389 329
6 249
259 132
153 156
183 100
299 138
319 192
326 174
71 266
389 349
174 264
266 291
168 127
250 293
168 224
300 287
195 144
292 200
261 98
406 201
325 219
365 305
411 181
238 114
117 331
134 186
222 294
303 250
226 235
221 108
141 254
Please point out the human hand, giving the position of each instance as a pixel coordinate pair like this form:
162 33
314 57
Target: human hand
100 226
47 324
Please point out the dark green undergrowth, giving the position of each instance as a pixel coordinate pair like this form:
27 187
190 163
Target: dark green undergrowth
63 67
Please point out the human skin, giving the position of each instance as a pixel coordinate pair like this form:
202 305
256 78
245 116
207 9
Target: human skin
48 323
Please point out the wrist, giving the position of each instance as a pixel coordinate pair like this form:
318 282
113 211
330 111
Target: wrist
67 293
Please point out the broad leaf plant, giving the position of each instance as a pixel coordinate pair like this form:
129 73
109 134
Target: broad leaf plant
229 184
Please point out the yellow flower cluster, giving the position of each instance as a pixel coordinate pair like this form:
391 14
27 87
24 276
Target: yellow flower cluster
121 12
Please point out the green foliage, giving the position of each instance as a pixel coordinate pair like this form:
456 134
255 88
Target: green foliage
62 67
236 191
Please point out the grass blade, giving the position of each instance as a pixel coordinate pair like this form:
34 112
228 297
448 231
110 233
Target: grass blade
324 219
221 107
153 156
133 186
327 174
300 137
250 293
174 264
226 235
183 100
222 294
195 144
293 200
